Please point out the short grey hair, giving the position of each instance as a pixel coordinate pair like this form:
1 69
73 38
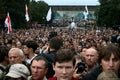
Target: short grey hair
19 50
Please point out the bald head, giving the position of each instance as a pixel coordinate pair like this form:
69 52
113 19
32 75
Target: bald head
91 56
92 51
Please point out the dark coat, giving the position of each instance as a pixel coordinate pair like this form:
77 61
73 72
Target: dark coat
50 58
93 74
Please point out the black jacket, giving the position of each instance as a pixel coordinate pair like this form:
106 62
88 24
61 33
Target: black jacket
50 57
93 74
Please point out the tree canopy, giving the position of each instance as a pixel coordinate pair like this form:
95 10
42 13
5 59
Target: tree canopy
16 9
38 11
108 13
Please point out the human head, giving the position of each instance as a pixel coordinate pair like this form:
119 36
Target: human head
79 58
3 53
15 55
80 67
39 68
83 51
109 58
18 44
56 43
18 71
64 64
29 46
52 34
91 57
107 75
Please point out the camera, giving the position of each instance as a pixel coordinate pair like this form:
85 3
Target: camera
81 66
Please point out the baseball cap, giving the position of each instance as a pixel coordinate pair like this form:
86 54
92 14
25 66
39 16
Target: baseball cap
18 70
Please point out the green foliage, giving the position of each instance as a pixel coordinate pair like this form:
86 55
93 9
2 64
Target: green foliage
38 11
16 9
108 13
2 13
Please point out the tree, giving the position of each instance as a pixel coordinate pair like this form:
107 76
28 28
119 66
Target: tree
108 13
16 9
2 14
38 11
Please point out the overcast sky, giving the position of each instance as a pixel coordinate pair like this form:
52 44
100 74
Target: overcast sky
71 2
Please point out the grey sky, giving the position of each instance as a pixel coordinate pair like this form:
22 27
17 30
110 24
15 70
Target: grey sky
71 2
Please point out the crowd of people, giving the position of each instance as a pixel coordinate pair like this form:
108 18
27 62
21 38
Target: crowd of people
48 53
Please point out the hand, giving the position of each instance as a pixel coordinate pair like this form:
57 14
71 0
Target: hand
45 49
79 75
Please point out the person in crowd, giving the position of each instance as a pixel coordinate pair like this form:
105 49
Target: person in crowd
3 58
39 68
64 65
16 55
118 39
79 58
83 52
18 44
29 48
41 44
17 72
54 45
107 75
109 60
91 57
8 43
80 67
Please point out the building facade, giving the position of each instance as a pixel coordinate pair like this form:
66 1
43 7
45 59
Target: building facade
72 12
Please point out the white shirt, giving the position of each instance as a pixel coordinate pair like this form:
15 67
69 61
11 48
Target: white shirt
29 60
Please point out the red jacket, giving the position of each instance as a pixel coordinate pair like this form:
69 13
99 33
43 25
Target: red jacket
55 78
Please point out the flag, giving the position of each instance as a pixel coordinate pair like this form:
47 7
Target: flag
8 23
85 13
26 13
48 17
86 9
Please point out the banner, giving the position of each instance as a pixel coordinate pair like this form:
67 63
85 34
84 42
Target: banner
26 13
49 14
86 13
8 23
